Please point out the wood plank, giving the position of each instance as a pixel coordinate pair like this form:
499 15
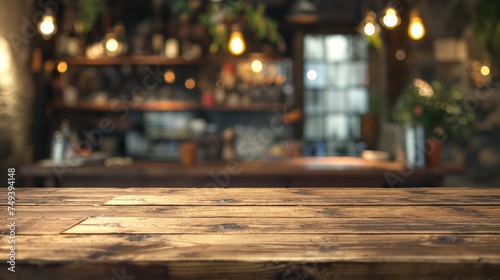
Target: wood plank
48 225
114 248
311 197
82 200
257 196
84 211
146 225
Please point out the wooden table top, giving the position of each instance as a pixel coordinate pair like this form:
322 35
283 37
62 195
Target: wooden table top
253 233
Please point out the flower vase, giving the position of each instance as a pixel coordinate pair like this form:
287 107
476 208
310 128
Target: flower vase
414 146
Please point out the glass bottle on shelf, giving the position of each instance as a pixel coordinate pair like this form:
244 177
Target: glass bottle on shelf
171 43
157 38
220 92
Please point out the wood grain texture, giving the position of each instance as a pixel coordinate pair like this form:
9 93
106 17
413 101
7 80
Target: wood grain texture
255 233
202 211
151 248
255 196
145 225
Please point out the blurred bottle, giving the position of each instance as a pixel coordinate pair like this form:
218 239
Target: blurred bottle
57 153
70 140
158 38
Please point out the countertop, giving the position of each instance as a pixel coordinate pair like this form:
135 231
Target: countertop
254 233
279 172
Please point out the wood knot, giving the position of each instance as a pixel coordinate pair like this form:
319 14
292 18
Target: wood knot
446 239
137 237
327 212
224 227
327 248
226 201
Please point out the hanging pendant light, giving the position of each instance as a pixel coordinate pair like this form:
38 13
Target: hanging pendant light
390 18
369 25
416 29
47 26
237 45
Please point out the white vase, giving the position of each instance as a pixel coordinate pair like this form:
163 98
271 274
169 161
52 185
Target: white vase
414 146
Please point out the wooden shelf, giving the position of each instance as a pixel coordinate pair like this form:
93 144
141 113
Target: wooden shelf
127 60
249 108
160 60
218 59
121 106
164 106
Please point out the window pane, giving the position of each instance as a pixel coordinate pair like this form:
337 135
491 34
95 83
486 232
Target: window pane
313 128
335 100
340 74
314 75
313 47
358 48
358 74
314 102
337 48
337 127
354 127
357 100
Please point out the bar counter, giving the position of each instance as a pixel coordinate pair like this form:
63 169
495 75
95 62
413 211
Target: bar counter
253 233
292 172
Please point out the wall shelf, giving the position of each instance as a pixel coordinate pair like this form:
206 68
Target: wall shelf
130 60
248 108
161 60
132 106
165 106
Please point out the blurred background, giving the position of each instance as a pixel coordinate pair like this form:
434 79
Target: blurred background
95 90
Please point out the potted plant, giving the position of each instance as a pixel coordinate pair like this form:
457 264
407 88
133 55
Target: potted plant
438 110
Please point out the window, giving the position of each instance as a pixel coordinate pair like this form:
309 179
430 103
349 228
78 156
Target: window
335 90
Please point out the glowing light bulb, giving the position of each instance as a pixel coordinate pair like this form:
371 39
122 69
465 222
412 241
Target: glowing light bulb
169 76
416 29
47 26
369 26
236 44
62 67
112 45
312 75
369 29
391 19
190 83
485 70
256 66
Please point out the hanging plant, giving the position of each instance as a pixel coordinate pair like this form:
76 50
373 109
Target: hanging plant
88 12
218 15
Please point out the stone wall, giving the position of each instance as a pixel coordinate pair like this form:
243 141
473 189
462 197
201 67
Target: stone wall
16 84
